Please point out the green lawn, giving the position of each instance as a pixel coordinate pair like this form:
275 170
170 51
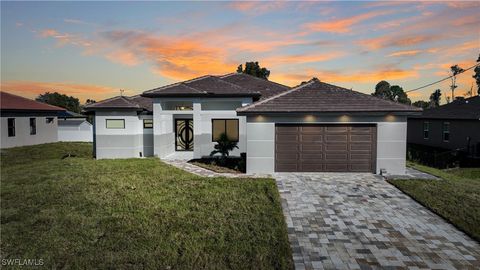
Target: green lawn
456 197
134 213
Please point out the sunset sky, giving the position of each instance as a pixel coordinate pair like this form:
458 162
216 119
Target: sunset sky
93 49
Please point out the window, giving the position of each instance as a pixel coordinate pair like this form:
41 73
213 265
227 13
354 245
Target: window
49 120
446 131
227 126
147 123
11 127
33 126
426 130
115 123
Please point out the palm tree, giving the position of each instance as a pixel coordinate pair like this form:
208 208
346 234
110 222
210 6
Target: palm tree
224 146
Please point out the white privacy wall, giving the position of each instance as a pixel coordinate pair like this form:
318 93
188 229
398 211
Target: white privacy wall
132 141
46 132
80 132
204 110
391 139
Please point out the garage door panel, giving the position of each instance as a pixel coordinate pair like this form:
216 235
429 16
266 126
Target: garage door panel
315 138
360 138
326 147
336 138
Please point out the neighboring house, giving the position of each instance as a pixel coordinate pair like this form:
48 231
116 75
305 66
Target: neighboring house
453 126
27 122
74 127
313 127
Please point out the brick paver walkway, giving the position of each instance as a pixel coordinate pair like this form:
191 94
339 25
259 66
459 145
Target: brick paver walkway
359 221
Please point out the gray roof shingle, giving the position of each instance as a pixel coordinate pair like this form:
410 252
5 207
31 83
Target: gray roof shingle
202 86
316 96
138 103
264 87
468 108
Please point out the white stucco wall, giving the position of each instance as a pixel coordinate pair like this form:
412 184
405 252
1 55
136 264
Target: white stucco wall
46 132
132 141
80 132
391 139
164 121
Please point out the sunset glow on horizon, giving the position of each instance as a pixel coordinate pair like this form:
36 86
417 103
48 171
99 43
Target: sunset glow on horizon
91 50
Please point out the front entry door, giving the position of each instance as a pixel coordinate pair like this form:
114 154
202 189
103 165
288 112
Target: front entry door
183 134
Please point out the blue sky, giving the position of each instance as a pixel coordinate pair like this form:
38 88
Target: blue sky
93 49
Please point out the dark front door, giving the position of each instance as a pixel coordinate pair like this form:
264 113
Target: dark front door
325 148
183 134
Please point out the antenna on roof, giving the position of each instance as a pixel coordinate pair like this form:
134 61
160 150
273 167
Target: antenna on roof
121 92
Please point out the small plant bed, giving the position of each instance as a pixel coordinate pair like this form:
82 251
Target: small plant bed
231 165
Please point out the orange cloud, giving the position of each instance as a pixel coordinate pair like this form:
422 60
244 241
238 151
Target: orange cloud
123 57
301 58
395 41
257 7
32 89
351 78
343 25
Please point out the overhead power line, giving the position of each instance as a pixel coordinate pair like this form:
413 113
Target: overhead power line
444 79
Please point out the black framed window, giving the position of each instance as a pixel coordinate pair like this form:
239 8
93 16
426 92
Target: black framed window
147 123
11 127
426 130
446 131
49 120
227 126
115 123
33 126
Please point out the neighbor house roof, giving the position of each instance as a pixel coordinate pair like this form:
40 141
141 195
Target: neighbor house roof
202 86
70 114
316 96
137 102
264 87
468 108
11 102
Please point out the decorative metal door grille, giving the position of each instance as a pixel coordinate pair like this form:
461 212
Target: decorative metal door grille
184 135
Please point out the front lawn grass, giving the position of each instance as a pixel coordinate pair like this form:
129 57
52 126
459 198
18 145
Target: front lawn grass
456 196
78 212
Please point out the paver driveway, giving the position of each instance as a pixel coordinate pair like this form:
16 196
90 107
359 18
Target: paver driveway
359 221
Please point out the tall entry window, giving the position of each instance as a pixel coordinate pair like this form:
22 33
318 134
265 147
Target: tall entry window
227 126
11 127
183 135
426 130
33 126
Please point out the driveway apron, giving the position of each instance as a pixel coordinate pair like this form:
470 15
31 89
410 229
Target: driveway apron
360 221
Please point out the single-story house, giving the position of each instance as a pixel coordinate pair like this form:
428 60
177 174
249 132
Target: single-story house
310 128
27 122
74 127
453 126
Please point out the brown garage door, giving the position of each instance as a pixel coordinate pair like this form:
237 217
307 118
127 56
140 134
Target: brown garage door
325 148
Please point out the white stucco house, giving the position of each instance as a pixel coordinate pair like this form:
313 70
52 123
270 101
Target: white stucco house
74 127
27 122
310 128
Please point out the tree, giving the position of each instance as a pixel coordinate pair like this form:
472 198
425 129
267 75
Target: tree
224 146
254 69
435 98
455 69
421 104
476 76
398 95
90 101
61 100
384 90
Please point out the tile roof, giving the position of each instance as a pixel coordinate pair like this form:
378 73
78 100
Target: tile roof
70 114
137 102
316 96
13 102
468 108
264 87
202 86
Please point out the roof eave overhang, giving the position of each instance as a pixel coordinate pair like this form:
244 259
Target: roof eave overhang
283 113
208 95
92 109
